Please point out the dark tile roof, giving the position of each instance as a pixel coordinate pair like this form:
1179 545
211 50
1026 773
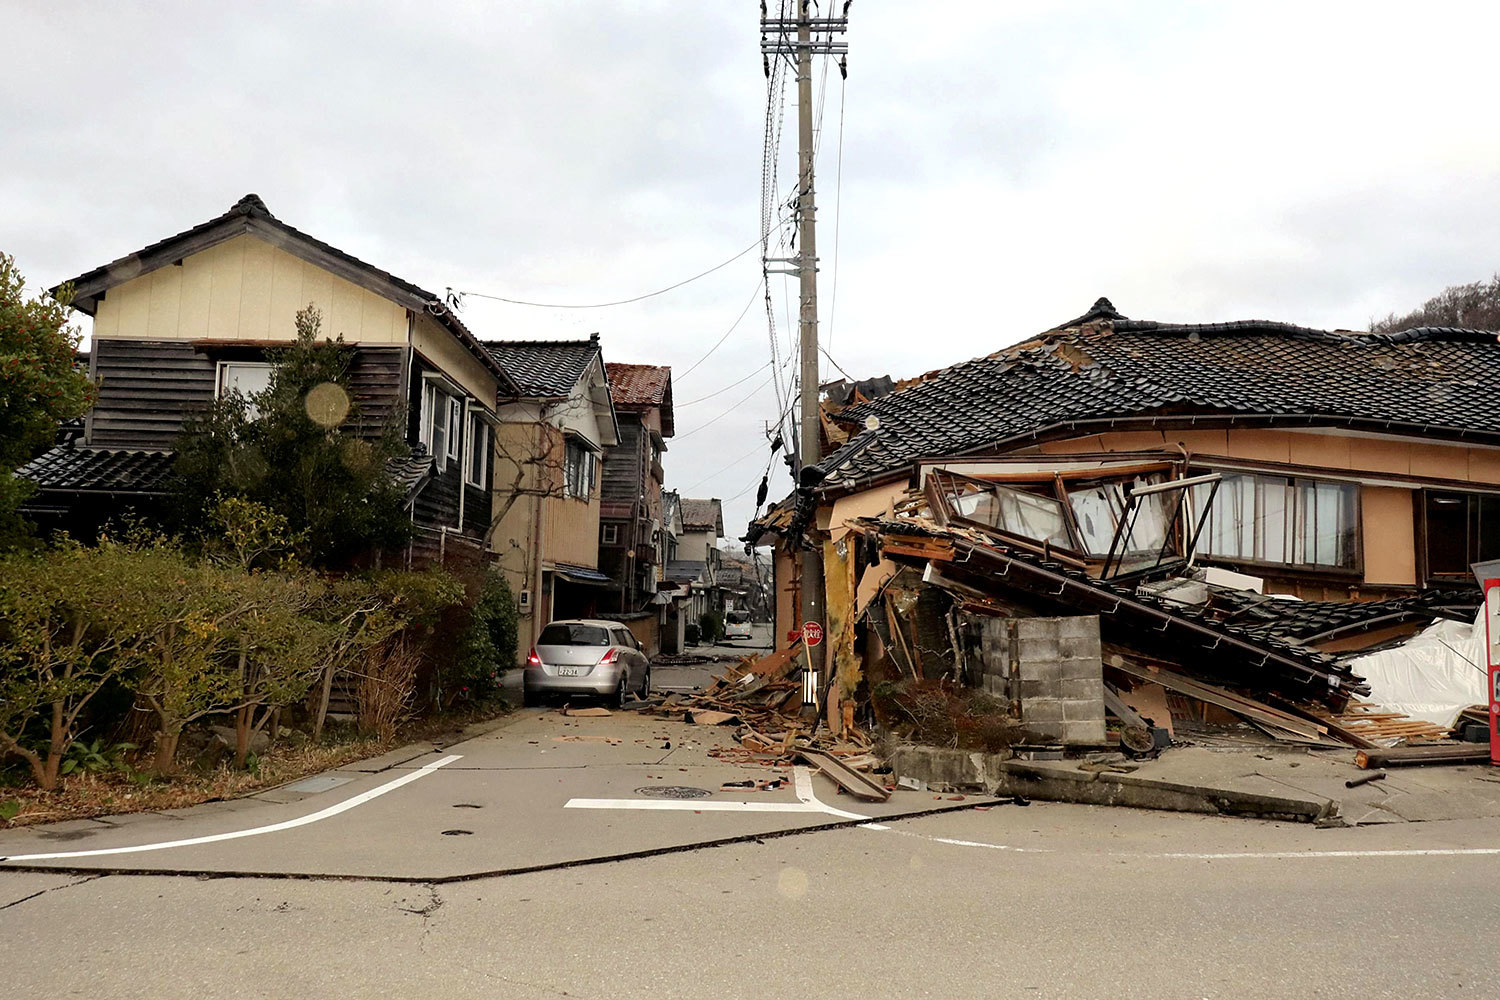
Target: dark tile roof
686 570
411 472
1432 381
1301 620
240 216
616 510
640 387
545 368
702 515
100 470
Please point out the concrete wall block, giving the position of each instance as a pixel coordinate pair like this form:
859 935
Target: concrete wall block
1082 668
1041 710
1089 689
1078 626
1037 628
1082 733
1079 646
1041 687
1036 649
1083 711
1048 730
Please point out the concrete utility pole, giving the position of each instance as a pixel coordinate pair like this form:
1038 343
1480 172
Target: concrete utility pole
799 39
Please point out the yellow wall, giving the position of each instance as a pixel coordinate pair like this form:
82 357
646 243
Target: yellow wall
244 289
573 529
440 347
1390 535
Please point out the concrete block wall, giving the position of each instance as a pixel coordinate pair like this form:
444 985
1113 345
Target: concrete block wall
1049 668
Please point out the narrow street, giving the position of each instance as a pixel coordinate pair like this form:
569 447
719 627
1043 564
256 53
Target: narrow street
530 860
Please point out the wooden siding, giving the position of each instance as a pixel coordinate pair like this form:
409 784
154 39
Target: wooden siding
146 390
149 388
624 475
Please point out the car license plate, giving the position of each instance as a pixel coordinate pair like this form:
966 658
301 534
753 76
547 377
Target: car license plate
571 671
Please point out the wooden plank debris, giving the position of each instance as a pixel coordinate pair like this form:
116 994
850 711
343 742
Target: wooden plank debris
844 776
1248 708
1436 753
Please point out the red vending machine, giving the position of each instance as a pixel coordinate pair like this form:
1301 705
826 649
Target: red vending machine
1492 656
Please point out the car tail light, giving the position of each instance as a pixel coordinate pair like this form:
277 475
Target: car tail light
609 657
533 660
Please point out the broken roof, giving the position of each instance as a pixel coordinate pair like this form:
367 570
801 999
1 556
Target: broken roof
1103 369
100 470
702 515
545 368
640 387
250 215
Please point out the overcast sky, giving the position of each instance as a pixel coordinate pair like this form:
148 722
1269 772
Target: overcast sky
1003 165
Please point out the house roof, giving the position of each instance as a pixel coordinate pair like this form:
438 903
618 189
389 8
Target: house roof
100 470
701 515
1104 367
640 387
687 570
112 470
250 215
547 369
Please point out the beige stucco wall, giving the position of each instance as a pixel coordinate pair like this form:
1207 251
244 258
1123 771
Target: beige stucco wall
573 529
694 546
1340 450
443 350
1389 526
244 289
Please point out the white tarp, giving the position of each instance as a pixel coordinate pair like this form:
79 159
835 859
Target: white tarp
1433 675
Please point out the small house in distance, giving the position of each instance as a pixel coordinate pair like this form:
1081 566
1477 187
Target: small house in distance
190 317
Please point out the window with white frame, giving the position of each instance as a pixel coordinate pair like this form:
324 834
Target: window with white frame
578 481
477 468
609 534
442 428
1278 519
248 378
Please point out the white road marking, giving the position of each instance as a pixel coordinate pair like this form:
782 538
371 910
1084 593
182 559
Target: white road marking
1439 852
322 814
692 805
807 802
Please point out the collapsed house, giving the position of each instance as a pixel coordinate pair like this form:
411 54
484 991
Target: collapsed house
1122 522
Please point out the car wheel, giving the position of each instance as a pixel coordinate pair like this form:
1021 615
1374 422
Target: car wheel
645 691
618 699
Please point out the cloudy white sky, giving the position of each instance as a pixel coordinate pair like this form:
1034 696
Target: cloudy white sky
1003 165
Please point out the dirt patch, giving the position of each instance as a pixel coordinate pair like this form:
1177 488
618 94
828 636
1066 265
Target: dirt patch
89 795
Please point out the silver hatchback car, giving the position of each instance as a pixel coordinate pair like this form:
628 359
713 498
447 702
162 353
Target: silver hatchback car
586 657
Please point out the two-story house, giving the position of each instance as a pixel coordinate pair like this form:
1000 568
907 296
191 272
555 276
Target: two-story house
697 560
556 424
189 318
632 544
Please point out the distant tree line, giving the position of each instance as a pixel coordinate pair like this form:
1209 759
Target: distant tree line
1475 306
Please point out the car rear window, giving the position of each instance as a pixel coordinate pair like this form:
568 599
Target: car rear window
573 635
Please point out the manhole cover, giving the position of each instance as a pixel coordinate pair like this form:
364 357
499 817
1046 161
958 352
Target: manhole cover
673 792
457 833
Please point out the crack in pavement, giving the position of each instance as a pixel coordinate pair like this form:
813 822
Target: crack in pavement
55 888
651 852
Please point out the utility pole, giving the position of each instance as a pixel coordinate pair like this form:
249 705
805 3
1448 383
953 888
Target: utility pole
797 39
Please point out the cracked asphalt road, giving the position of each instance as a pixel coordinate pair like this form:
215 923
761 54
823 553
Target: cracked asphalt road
384 898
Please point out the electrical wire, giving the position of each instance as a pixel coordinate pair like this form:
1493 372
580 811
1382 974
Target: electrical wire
726 388
838 199
735 325
720 472
726 413
759 240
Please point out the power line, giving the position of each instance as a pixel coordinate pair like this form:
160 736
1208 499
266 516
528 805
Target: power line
460 295
717 344
726 413
726 468
838 198
726 388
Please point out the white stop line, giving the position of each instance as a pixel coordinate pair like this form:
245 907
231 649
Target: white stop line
334 810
